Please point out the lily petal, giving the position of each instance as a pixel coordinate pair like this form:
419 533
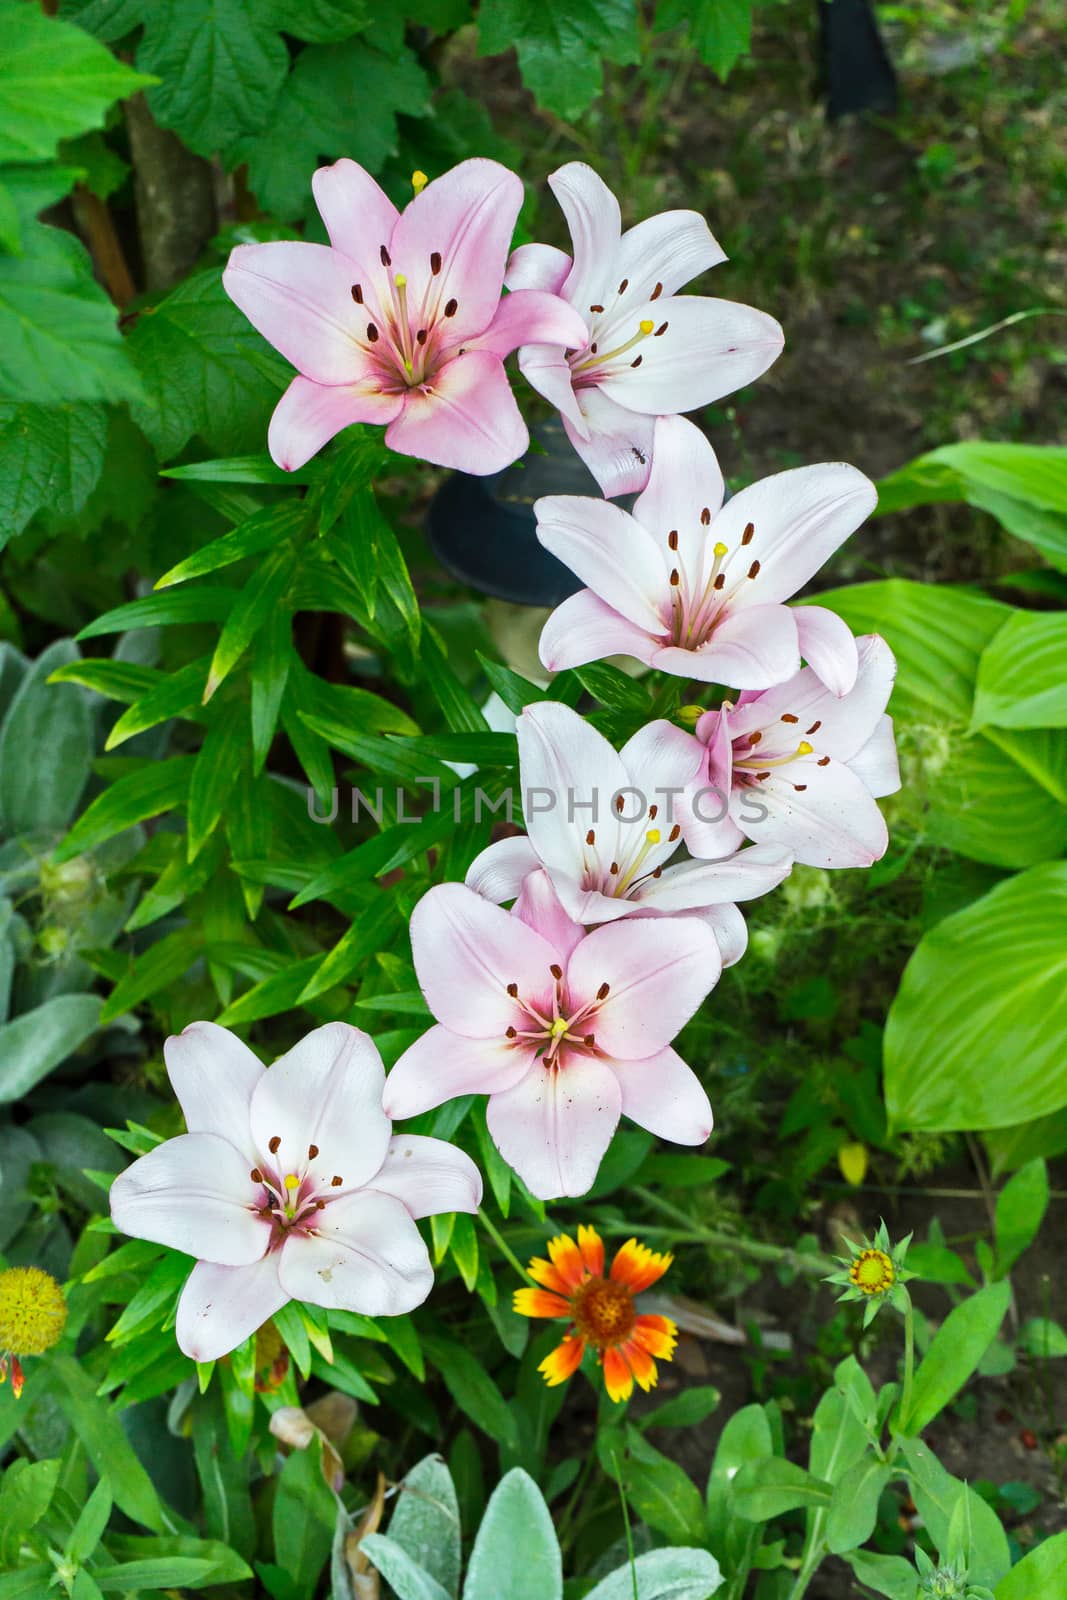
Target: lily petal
595 224
194 1194
828 646
686 478
585 628
665 1096
694 884
751 649
614 441
570 775
555 1126
443 1065
367 1256
466 419
309 415
662 760
709 348
497 872
325 1092
537 266
668 249
467 952
876 765
213 1075
730 930
609 551
531 317
428 1176
539 906
359 219
299 296
220 1307
839 725
545 368
658 969
463 221
824 815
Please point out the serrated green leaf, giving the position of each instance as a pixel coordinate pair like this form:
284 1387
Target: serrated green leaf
720 30
561 44
51 458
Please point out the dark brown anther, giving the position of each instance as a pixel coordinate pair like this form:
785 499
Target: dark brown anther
800 787
657 291
619 803
590 1040
823 762
816 725
754 738
603 992
357 294
592 348
753 570
675 831
513 990
435 262
653 812
556 971
256 1175
720 581
637 362
596 308
372 332
624 285
675 578
420 337
320 1205
451 308
672 539
274 1143
658 872
511 1033
787 716
613 869
762 775
313 1151
590 837
749 533
705 516
336 1181
387 259
661 329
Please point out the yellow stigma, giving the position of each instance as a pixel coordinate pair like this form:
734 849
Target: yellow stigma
653 836
33 1312
401 280
419 180
805 749
646 327
720 550
872 1272
292 1181
558 1028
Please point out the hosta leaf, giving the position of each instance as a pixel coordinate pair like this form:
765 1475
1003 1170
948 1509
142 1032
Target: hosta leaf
1022 676
969 1043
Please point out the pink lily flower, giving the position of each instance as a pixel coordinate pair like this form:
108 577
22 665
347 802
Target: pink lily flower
802 767
400 319
288 1185
697 588
563 1030
646 350
607 829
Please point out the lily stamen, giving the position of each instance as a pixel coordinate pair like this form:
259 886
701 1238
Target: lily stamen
643 331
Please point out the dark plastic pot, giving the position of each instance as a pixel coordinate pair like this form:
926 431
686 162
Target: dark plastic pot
483 530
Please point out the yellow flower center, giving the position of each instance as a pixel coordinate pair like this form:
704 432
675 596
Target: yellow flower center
603 1312
33 1312
872 1272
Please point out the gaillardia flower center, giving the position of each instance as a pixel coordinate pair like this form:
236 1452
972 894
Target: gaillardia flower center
603 1312
872 1272
33 1312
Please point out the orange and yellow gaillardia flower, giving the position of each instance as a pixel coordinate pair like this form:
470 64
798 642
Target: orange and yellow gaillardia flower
601 1310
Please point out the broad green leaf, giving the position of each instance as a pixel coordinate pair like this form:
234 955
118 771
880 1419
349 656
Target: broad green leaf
1010 1148
40 1040
968 1043
678 1574
1042 1572
1022 676
161 786
317 115
405 1576
221 65
51 458
854 1508
838 1438
719 30
746 1438
660 1491
56 82
998 798
561 45
765 1489
1021 1207
1041 1338
685 1410
26 1491
516 1551
473 1390
1034 473
206 371
46 746
937 1494
303 1518
98 1427
891 1576
955 1351
425 1522
1045 530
